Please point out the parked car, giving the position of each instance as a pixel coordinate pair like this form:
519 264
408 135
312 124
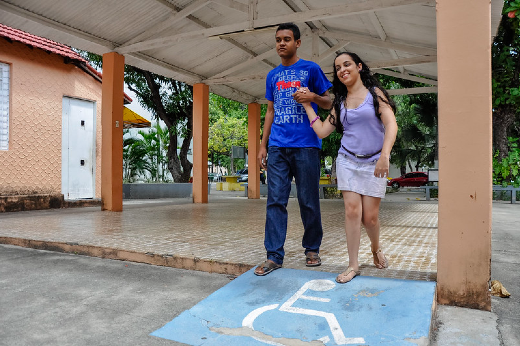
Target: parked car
242 175
213 177
409 179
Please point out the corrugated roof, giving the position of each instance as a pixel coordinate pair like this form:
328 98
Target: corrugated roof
229 44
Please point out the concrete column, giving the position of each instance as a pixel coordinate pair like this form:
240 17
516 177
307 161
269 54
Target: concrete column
200 142
465 179
112 132
253 144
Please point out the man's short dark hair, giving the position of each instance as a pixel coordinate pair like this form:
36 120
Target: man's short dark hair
290 26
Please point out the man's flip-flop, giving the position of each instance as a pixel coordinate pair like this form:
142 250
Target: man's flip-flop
267 267
311 257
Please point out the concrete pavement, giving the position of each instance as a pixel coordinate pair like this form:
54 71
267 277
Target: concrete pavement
50 298
226 236
458 326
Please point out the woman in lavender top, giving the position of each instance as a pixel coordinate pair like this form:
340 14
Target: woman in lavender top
364 113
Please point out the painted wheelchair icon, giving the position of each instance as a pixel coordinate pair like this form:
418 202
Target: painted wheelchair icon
313 285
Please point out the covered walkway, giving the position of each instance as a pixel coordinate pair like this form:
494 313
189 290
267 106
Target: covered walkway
226 235
435 41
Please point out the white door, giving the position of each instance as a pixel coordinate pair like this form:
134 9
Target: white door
78 149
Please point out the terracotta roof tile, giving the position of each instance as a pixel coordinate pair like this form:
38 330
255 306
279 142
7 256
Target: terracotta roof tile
49 46
39 42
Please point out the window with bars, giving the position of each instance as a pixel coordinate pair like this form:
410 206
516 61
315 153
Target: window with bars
4 106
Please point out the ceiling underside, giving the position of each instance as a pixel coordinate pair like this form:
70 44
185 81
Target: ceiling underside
229 44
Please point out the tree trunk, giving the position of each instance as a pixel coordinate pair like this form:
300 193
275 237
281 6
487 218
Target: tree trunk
179 165
503 118
333 174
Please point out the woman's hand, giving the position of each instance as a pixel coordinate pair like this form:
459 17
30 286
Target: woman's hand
382 167
303 95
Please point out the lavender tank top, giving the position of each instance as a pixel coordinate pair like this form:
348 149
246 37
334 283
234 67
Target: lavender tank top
363 131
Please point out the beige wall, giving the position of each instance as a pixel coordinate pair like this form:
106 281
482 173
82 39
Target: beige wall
38 83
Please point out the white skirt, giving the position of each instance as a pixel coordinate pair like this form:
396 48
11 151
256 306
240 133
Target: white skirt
359 177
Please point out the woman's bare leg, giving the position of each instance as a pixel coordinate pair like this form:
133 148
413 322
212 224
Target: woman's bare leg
353 213
370 220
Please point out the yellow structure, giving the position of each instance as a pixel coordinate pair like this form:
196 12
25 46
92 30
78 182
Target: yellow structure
133 120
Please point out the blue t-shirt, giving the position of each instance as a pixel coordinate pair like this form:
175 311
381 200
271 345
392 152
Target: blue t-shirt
291 127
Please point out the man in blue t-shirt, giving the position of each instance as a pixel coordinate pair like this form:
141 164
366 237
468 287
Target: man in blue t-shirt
294 148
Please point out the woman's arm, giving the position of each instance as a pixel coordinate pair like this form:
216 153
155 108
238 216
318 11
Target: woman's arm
322 128
388 119
303 95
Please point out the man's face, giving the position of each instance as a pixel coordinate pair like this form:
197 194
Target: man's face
286 46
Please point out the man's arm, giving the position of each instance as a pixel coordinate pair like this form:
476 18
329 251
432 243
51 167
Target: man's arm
268 122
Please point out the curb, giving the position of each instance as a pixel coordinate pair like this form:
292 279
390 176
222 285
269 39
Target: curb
166 260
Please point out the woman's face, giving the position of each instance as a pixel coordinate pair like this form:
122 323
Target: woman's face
346 69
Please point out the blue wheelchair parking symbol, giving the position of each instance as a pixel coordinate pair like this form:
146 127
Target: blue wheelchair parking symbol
314 285
293 307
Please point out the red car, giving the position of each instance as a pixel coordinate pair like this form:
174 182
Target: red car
409 179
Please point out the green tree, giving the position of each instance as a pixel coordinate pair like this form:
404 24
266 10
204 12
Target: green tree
507 170
151 144
168 100
223 134
135 163
505 52
416 117
228 127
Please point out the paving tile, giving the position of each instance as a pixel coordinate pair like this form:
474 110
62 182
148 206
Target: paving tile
231 229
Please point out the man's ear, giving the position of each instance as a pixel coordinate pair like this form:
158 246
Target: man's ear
298 43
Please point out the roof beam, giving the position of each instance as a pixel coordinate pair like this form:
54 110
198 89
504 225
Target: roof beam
394 63
168 22
332 50
375 67
229 3
371 41
192 77
307 16
411 91
403 62
49 23
253 13
338 11
235 94
237 79
376 23
246 63
232 41
405 76
300 6
233 4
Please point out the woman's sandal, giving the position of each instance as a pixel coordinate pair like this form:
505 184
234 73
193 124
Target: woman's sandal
312 259
342 278
266 267
380 263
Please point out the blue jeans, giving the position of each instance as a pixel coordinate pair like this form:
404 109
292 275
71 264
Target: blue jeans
304 165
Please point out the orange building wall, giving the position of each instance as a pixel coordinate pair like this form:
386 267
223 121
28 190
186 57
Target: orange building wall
39 81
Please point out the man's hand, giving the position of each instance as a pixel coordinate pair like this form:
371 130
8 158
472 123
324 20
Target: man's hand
303 95
262 157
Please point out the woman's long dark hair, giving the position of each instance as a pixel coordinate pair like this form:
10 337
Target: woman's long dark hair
340 90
